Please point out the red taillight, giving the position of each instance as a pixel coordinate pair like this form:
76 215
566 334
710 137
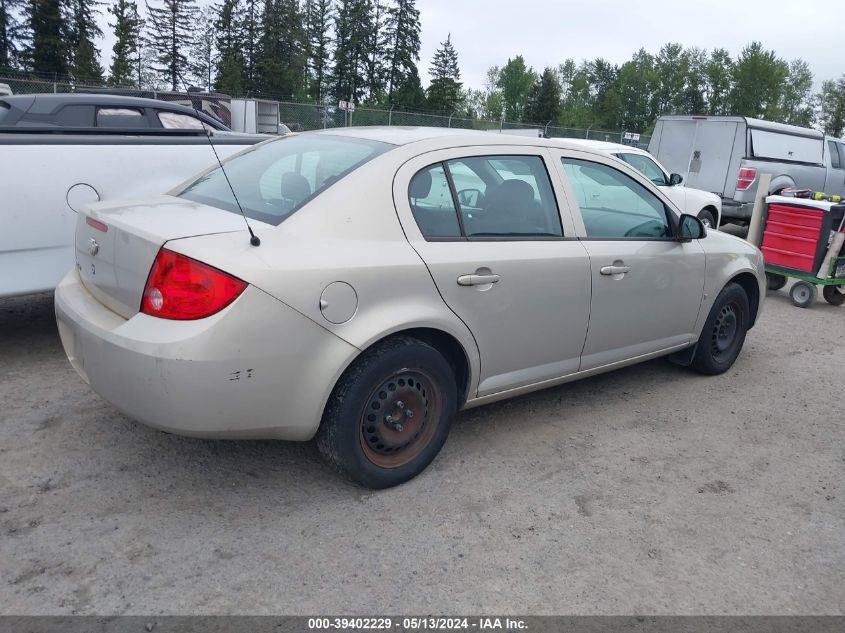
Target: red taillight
182 288
746 178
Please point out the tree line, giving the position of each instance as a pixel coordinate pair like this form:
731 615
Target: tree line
368 52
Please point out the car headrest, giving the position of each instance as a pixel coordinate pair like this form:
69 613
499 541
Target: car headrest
421 185
295 187
510 195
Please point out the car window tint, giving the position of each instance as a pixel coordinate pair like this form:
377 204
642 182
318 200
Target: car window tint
179 121
121 118
274 179
76 116
614 205
645 166
835 161
432 204
505 196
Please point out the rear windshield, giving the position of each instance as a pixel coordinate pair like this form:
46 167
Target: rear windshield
275 179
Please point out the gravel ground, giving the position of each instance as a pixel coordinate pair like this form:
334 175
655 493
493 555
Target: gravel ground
647 490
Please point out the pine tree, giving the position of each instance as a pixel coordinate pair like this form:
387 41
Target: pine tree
409 93
402 31
350 54
444 91
47 51
203 50
544 99
10 32
231 65
84 31
280 55
170 31
318 38
127 31
251 37
376 43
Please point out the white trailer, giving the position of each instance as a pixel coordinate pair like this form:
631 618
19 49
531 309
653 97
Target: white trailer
255 116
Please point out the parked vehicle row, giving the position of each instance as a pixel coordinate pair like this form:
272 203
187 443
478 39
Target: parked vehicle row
727 155
402 274
61 152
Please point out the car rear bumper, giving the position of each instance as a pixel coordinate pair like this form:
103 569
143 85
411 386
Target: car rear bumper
257 369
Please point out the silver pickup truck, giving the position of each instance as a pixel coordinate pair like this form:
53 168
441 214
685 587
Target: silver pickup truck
727 155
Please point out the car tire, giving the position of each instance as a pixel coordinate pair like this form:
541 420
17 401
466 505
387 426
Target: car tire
834 295
707 218
389 414
775 281
724 332
803 294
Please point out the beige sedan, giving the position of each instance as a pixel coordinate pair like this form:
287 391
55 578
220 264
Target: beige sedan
402 274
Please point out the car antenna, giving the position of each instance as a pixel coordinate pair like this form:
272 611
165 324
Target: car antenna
253 238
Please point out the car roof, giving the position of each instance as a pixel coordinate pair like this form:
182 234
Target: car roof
402 135
46 103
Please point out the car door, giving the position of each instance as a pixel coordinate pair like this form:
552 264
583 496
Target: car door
647 286
836 178
503 257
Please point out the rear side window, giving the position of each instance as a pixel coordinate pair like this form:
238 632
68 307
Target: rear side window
275 179
614 205
76 116
432 204
4 110
835 159
497 197
121 118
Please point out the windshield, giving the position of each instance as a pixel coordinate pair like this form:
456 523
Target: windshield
647 167
277 178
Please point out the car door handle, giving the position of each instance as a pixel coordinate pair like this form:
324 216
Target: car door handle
477 280
614 270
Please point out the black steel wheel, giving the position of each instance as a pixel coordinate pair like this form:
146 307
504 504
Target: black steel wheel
389 414
724 331
775 281
803 294
834 295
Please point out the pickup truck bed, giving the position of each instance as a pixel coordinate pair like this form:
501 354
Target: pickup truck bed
48 175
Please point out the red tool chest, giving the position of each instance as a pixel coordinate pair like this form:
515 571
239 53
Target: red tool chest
797 233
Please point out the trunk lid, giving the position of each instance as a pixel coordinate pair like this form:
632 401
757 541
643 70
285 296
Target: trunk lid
116 243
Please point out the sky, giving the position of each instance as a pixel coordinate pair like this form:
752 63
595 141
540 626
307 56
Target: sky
546 32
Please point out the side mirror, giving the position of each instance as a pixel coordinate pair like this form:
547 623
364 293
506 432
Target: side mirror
675 179
690 228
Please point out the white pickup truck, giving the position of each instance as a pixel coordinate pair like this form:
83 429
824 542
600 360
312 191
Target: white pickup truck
61 152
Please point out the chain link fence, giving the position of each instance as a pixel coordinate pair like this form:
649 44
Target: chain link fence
305 116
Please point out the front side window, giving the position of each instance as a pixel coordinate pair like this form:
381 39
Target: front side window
179 121
614 205
274 179
647 167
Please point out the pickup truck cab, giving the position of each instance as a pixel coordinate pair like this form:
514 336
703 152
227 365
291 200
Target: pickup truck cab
59 153
727 155
706 206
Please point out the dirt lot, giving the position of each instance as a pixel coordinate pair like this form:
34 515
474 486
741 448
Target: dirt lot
648 490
